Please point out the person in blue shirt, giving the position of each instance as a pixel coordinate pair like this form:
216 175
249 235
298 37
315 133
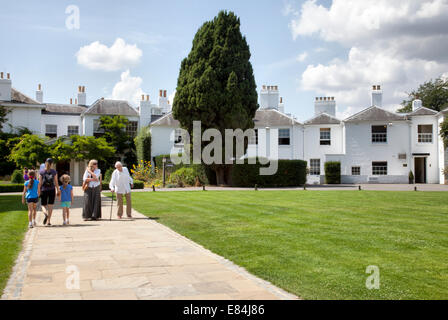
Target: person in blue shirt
66 197
31 193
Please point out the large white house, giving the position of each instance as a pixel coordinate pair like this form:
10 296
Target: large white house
56 120
373 146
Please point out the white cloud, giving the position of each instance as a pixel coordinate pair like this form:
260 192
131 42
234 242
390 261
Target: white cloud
302 57
119 56
128 88
398 44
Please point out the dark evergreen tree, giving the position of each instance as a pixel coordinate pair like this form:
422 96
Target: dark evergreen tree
433 93
216 84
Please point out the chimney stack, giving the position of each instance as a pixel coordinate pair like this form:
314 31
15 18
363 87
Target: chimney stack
5 87
325 105
269 97
377 96
39 94
82 97
417 103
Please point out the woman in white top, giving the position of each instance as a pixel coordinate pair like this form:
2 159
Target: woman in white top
92 195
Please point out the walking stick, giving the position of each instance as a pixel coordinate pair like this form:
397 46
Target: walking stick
111 205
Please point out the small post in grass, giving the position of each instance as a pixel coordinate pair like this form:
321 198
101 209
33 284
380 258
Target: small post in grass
304 186
203 188
164 162
256 188
359 188
153 188
415 188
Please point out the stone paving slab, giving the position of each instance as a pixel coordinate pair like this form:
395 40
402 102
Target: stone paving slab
125 259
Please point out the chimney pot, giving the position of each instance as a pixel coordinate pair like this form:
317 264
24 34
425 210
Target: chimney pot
76 101
147 97
164 94
143 97
1 75
378 87
71 101
39 87
7 76
281 99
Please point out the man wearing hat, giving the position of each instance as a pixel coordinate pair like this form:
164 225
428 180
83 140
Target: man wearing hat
48 178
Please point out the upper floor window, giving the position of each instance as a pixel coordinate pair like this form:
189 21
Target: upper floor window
253 139
72 130
425 133
379 168
356 171
131 128
51 130
325 136
315 167
283 137
97 130
379 134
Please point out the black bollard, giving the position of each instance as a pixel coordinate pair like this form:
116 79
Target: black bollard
304 187
256 188
203 188
153 188
415 188
359 188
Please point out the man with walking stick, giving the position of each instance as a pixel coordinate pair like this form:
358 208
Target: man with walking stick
121 183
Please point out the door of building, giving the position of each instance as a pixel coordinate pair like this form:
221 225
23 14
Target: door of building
420 169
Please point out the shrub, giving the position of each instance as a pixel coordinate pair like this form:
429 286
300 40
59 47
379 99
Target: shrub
108 175
143 144
144 171
17 176
183 177
11 188
138 185
290 173
332 172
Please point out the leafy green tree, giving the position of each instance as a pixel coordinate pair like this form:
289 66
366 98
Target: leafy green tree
87 147
29 151
3 113
6 166
433 93
216 84
444 131
143 144
115 132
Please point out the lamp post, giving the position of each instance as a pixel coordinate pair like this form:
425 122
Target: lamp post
164 162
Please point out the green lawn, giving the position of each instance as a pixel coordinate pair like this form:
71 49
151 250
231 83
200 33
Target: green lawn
317 244
13 224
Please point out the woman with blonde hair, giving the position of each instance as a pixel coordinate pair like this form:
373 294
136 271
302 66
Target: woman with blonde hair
92 192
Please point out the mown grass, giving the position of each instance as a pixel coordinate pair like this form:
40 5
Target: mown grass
13 224
318 244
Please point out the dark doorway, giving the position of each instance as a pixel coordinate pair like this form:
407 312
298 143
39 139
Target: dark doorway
62 167
420 170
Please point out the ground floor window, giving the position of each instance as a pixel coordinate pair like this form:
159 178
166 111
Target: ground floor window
379 168
72 130
356 171
178 137
315 167
131 128
51 130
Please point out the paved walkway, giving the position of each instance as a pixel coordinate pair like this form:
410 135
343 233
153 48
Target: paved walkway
125 259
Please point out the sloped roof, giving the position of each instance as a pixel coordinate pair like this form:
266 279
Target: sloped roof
423 111
112 107
64 109
272 117
19 97
166 121
323 118
263 118
375 114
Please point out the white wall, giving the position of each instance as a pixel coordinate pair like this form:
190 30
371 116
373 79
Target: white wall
360 151
162 141
432 165
62 122
313 149
29 117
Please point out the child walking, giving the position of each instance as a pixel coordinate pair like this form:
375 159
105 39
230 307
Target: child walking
31 193
66 197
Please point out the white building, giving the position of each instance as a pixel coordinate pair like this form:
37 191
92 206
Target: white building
373 146
56 120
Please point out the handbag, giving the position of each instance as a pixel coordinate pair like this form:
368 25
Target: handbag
85 186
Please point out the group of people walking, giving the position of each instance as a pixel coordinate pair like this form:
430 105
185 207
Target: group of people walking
44 184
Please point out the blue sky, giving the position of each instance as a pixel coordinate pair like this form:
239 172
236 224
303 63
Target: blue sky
291 42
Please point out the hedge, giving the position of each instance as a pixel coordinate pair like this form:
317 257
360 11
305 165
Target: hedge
332 172
290 173
11 187
138 185
17 177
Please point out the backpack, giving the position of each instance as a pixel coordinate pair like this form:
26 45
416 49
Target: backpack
48 179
